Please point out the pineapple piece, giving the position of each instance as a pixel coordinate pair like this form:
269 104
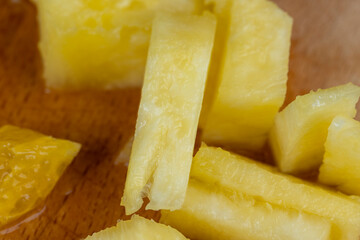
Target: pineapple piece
208 214
265 183
299 133
99 44
30 165
169 111
138 228
251 82
341 164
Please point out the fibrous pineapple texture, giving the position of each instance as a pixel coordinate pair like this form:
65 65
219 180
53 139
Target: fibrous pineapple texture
99 44
30 165
210 214
160 161
264 183
138 228
299 133
240 107
341 164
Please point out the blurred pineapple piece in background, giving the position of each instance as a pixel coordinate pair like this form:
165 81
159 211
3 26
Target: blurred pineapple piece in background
241 101
138 228
299 133
30 165
264 183
99 44
341 164
172 94
210 214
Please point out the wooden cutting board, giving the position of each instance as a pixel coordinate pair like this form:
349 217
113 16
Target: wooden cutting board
325 52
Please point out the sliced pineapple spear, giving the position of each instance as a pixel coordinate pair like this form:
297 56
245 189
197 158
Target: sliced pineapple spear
210 214
341 164
264 183
172 94
99 43
239 109
299 133
30 165
138 228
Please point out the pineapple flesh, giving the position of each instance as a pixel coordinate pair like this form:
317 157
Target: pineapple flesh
240 107
169 111
209 214
30 165
265 183
341 164
138 228
299 133
99 44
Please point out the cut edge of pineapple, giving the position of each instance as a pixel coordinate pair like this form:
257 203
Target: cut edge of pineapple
328 174
349 90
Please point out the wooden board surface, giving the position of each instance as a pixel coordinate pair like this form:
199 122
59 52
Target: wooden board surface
325 52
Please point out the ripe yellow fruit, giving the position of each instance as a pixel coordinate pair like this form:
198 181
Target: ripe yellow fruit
30 165
299 133
239 109
160 161
208 214
99 44
264 183
341 164
138 228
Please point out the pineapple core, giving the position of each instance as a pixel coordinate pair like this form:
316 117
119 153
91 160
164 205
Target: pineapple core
177 65
240 103
210 214
299 133
341 165
138 228
99 44
264 183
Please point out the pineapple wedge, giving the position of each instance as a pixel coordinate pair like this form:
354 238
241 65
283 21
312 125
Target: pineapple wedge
240 107
299 133
30 165
237 173
169 111
208 214
341 165
138 228
99 44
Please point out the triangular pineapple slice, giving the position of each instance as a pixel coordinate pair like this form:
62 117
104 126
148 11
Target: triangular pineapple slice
230 171
138 228
172 94
341 164
298 136
208 214
99 43
30 165
239 109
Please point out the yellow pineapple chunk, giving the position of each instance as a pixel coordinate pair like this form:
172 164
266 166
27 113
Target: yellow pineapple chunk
98 43
160 161
230 171
299 133
30 165
208 214
138 228
341 164
251 82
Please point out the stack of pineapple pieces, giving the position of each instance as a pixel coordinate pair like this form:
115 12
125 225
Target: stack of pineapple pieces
228 196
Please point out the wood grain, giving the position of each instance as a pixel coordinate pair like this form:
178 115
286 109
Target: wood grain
325 52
